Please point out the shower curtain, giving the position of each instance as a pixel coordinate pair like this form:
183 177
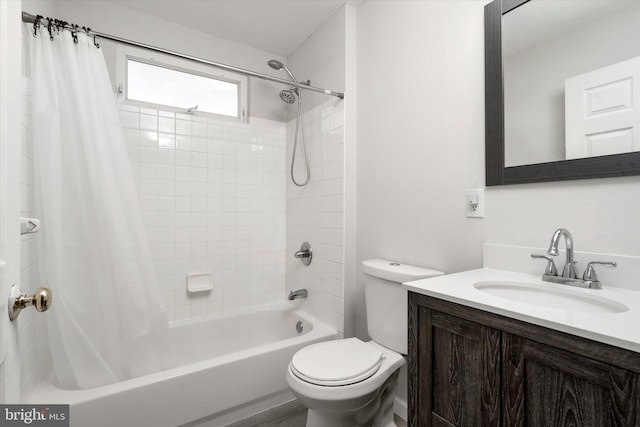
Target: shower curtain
106 322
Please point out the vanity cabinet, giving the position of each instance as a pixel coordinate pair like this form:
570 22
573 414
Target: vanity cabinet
468 367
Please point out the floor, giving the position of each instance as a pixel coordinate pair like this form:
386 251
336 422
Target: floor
292 414
299 419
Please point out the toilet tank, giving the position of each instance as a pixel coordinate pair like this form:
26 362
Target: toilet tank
386 300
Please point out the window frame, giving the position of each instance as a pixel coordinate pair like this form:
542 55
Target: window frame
126 53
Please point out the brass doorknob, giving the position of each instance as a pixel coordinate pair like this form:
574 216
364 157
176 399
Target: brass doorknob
41 299
18 301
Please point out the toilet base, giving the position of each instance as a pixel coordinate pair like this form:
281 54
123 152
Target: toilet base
378 412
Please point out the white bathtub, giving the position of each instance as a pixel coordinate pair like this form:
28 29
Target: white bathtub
223 362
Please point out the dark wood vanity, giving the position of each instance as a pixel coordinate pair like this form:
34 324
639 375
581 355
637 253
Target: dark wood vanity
469 367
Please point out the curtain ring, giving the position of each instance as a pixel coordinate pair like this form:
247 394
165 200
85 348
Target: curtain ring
36 25
95 43
74 33
49 28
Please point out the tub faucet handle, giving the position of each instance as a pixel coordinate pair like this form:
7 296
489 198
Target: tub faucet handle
305 254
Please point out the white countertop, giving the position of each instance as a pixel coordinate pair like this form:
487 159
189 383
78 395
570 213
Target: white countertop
617 329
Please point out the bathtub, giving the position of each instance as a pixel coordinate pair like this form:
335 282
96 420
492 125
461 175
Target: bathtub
223 362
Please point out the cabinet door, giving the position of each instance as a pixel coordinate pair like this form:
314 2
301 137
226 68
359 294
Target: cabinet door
548 387
459 372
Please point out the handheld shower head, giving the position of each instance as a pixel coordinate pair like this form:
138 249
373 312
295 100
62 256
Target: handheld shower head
289 96
275 64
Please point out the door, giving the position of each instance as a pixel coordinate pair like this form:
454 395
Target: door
10 146
602 111
548 387
459 372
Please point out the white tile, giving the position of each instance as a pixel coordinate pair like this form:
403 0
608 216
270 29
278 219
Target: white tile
183 158
148 188
183 142
148 155
214 131
131 136
183 204
183 173
199 144
183 312
129 119
148 122
166 140
199 129
166 172
199 174
148 171
183 188
166 156
183 127
148 138
167 125
214 146
199 159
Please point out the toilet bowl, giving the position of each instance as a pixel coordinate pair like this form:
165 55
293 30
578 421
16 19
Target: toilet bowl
346 383
349 382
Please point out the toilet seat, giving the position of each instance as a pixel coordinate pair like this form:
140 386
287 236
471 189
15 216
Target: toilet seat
336 363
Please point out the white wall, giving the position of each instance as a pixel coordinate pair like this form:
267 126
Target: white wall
321 59
123 22
420 126
420 73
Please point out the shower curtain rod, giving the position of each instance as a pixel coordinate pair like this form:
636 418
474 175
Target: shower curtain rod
29 18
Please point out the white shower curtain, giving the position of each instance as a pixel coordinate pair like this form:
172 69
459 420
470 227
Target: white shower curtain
106 322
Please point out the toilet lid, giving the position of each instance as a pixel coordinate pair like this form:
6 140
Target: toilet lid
336 363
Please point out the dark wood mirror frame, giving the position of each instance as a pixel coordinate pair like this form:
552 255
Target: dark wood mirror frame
626 164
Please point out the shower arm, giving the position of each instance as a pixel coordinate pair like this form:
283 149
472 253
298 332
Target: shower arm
32 19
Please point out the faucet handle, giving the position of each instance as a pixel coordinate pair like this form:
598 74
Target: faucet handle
590 272
551 269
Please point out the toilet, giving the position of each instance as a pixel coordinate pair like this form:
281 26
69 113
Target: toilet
349 382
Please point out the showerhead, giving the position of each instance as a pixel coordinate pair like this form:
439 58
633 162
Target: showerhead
275 64
288 96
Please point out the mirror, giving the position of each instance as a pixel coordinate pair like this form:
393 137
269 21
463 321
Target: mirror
562 80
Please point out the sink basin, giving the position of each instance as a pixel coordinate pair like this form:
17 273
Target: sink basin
559 299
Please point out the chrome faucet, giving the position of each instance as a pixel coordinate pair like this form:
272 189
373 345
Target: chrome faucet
569 269
569 276
300 293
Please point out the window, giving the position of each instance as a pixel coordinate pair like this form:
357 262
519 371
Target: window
164 82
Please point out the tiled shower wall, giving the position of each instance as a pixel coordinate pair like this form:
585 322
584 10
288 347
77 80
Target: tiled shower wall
213 199
315 213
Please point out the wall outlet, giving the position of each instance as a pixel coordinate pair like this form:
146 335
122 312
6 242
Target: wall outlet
474 203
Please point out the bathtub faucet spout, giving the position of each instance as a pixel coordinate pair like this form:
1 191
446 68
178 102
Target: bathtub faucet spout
300 293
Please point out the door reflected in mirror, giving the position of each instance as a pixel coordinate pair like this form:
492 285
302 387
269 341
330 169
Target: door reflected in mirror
571 80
